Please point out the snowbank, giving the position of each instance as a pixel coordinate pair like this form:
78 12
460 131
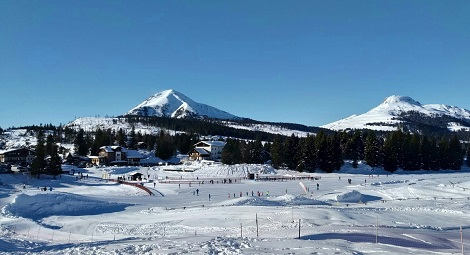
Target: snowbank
40 206
350 197
355 196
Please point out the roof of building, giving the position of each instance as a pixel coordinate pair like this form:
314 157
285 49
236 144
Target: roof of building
212 143
133 154
201 151
12 150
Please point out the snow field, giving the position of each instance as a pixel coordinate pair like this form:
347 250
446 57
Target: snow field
419 213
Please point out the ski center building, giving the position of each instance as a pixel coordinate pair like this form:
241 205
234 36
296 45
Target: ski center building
207 150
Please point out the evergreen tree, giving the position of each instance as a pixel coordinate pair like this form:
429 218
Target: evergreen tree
257 157
165 146
373 150
392 150
411 145
183 143
289 151
443 154
276 152
425 153
49 145
434 155
322 151
132 139
80 143
455 153
307 154
121 138
231 153
39 162
336 157
246 150
54 166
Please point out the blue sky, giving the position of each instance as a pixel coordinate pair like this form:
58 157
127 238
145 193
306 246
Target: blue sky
307 62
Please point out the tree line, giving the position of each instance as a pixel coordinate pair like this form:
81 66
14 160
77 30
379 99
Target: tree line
327 152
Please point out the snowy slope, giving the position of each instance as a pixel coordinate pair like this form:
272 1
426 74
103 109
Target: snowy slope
385 117
171 103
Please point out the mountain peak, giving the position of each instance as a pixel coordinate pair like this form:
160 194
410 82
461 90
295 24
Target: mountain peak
174 104
395 99
388 115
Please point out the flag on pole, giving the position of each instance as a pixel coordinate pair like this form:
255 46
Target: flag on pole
303 187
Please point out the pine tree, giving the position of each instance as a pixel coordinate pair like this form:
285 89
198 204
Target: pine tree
54 167
434 155
165 146
289 152
120 138
373 150
307 154
183 143
100 140
322 151
80 143
411 158
39 162
455 153
258 152
231 152
276 152
132 139
425 153
392 150
336 154
443 154
49 145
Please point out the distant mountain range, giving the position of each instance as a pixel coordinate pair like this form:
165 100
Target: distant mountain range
405 112
395 112
171 103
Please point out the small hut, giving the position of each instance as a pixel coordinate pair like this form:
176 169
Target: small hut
136 176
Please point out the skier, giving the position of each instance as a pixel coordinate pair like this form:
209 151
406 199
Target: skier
197 192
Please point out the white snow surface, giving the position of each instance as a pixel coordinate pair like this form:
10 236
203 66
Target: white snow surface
378 213
383 117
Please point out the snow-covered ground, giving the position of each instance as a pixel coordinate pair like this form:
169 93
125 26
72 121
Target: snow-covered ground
196 212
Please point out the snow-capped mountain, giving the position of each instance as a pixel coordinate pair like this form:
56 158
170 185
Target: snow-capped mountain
396 111
171 103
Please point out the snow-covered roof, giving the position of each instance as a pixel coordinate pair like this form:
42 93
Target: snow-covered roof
11 150
112 148
133 154
201 151
212 143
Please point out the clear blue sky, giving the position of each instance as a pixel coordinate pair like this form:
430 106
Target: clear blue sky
309 62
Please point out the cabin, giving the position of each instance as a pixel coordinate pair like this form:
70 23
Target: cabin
207 150
117 155
20 156
76 160
134 176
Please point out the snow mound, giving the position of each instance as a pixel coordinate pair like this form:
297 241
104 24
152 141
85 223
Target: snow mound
40 206
286 200
351 197
355 196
